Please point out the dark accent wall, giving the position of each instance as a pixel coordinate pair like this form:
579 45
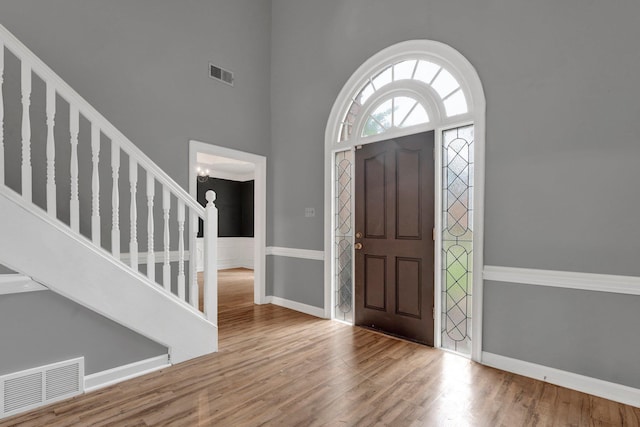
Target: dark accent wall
234 200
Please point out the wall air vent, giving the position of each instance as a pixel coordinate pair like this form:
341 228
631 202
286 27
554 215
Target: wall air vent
24 390
220 74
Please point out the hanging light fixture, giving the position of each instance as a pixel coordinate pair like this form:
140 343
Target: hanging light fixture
202 174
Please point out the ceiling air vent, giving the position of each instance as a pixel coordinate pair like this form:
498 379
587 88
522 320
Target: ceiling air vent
24 390
220 74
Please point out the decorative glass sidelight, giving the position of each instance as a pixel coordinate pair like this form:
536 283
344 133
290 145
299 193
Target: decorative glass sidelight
457 237
343 237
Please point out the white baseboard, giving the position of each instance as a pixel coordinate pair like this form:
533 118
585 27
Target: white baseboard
235 263
121 373
297 306
608 390
18 283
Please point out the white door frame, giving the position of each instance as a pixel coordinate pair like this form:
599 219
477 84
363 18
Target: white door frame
259 205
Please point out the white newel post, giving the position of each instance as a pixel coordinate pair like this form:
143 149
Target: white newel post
211 259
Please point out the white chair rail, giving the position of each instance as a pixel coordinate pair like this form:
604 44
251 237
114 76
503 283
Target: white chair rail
80 203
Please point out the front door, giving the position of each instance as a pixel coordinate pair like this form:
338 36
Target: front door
394 242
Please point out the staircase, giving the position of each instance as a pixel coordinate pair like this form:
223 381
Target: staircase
60 207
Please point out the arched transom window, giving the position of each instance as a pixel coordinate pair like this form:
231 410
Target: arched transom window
407 93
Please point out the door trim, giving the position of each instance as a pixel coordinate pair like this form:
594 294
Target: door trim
260 205
470 77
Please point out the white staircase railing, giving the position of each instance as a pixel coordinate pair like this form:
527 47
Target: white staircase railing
187 210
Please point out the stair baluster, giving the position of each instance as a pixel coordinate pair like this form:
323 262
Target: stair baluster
1 114
166 268
151 255
26 131
115 200
51 150
95 185
133 213
181 278
74 204
193 260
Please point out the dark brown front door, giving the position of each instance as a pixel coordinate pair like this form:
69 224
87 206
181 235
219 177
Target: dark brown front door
394 241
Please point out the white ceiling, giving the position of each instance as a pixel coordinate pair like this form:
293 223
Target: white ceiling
224 164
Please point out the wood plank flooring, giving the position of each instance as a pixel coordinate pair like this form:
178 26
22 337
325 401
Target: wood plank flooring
280 367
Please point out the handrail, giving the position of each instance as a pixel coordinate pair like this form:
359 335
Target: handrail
70 95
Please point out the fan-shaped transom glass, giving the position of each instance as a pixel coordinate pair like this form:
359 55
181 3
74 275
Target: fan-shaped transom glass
398 112
403 111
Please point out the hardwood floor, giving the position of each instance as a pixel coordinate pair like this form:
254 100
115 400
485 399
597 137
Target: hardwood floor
280 367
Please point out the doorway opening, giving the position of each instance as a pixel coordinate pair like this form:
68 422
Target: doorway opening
239 179
406 89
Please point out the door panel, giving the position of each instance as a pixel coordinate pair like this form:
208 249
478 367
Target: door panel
376 278
409 287
374 196
407 188
394 218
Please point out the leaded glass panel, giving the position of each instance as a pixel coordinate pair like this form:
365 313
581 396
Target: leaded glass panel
343 237
457 238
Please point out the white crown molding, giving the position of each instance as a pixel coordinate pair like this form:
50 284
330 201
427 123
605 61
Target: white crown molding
605 389
297 306
295 253
18 283
126 372
564 279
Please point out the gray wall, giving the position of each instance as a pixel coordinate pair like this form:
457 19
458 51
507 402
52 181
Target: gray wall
294 279
589 333
42 327
562 89
143 65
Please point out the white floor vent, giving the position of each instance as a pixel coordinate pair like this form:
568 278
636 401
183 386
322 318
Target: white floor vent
24 390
